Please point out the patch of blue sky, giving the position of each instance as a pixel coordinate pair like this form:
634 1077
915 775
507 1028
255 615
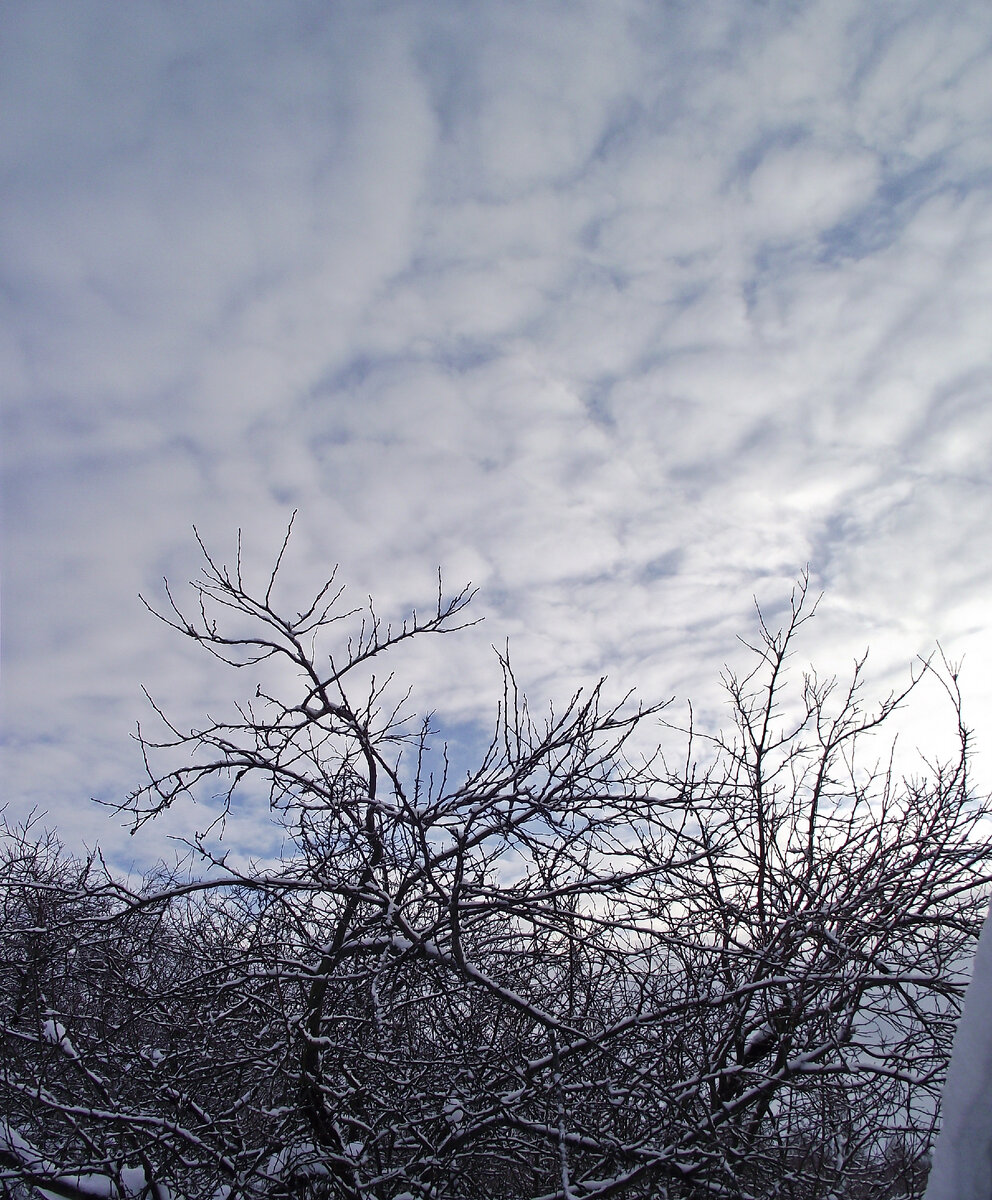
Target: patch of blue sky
780 137
661 566
353 374
596 398
880 223
623 130
836 529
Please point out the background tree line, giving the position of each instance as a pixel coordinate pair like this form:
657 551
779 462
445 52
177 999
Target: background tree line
571 972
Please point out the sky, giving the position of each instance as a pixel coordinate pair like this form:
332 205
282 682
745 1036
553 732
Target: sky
625 311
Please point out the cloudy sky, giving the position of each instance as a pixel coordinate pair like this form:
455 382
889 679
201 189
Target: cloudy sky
623 310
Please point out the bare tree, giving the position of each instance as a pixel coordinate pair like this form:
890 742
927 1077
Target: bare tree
571 973
828 924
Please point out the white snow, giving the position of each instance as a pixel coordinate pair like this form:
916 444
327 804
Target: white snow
962 1165
91 1184
54 1031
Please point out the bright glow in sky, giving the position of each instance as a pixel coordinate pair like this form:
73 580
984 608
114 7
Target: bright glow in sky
625 312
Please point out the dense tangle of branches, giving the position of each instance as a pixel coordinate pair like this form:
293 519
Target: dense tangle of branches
571 973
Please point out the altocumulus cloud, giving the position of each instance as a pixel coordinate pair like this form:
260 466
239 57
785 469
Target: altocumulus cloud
626 312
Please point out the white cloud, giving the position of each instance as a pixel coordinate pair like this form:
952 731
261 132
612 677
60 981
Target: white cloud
804 190
625 312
